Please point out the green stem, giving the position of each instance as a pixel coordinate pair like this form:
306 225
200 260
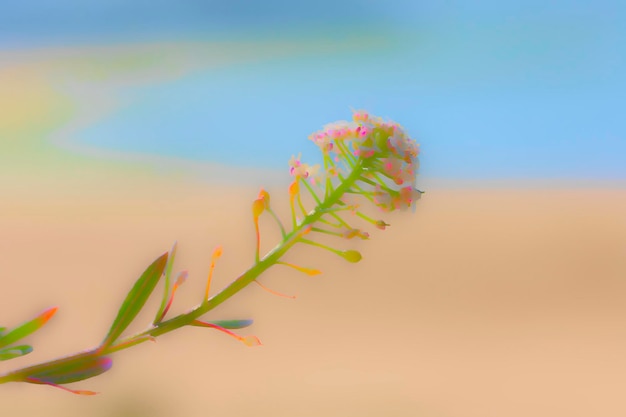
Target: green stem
312 192
280 225
270 259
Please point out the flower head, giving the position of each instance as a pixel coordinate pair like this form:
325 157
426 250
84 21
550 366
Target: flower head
385 152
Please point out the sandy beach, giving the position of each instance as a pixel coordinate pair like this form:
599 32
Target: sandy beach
485 302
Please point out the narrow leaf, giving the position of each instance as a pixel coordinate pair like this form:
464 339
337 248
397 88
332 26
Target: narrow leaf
166 289
27 328
232 324
71 370
14 352
136 299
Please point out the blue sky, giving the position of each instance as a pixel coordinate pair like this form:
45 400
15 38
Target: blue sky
519 90
73 20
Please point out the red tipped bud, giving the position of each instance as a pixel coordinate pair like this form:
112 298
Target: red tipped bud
265 197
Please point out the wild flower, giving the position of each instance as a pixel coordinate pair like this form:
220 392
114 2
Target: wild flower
300 169
366 158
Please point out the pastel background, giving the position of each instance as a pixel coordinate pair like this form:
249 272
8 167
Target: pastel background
127 125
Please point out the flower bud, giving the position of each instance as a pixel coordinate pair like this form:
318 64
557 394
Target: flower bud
351 256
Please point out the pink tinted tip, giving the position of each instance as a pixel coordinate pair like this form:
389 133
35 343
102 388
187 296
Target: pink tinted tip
104 363
182 277
265 196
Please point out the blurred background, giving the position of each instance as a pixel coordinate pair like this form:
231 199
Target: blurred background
505 90
127 125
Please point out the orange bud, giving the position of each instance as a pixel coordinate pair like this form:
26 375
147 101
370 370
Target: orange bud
294 188
265 196
258 206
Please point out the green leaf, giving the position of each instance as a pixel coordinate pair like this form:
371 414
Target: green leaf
2 329
232 324
71 370
27 328
14 352
136 299
166 289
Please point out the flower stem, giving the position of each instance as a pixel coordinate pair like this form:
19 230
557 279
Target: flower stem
160 328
